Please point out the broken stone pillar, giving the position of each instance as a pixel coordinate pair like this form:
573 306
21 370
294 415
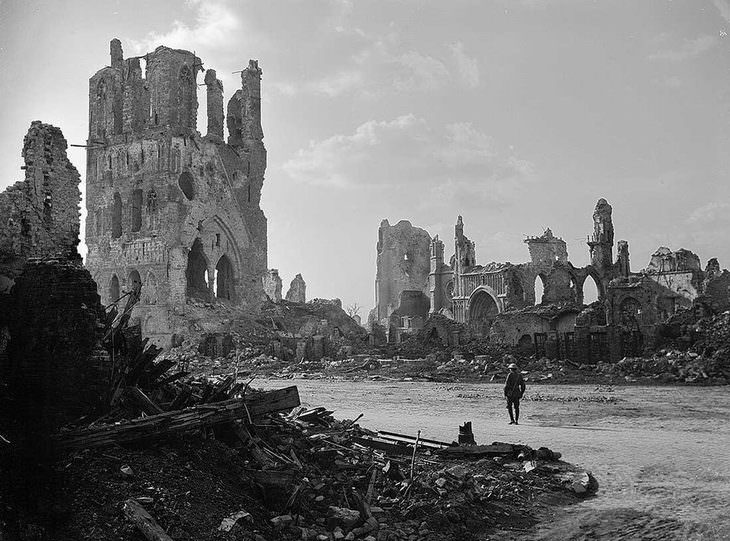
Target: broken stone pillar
601 242
214 105
297 290
712 269
623 265
115 50
272 284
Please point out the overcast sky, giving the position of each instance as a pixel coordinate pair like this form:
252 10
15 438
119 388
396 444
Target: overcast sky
517 115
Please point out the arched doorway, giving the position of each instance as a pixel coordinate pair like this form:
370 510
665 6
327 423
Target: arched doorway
224 279
113 289
591 293
197 285
482 311
539 288
134 283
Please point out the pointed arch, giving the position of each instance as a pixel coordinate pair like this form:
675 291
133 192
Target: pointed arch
483 308
113 288
591 288
195 273
224 279
539 284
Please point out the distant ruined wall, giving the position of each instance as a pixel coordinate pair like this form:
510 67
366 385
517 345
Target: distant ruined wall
403 264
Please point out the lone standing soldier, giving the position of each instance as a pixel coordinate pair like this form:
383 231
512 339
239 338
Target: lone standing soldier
514 388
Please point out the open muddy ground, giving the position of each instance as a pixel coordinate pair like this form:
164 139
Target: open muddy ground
660 454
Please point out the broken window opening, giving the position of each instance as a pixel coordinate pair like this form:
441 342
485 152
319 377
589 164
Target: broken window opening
196 274
117 216
186 91
249 193
218 239
110 162
590 290
134 282
224 279
114 289
539 289
47 209
186 185
136 210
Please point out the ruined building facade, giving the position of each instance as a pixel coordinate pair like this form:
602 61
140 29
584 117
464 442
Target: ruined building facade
168 209
502 301
40 214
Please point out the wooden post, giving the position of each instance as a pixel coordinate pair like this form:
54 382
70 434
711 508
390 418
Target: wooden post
415 448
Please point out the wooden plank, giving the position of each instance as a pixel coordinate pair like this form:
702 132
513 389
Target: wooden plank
422 442
143 401
496 449
144 522
382 445
193 418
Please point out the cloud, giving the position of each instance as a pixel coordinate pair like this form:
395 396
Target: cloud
690 48
332 85
467 66
381 64
215 26
715 212
406 153
723 6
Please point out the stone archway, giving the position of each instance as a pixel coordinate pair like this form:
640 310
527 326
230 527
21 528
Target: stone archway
483 308
224 278
195 273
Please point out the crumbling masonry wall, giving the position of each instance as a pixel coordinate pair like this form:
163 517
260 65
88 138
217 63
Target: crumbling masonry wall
39 216
170 209
403 264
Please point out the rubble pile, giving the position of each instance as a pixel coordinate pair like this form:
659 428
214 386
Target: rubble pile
672 367
175 457
304 475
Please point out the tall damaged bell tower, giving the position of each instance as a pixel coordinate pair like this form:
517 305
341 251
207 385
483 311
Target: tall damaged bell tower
170 209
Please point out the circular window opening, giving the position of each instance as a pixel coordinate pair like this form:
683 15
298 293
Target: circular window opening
186 185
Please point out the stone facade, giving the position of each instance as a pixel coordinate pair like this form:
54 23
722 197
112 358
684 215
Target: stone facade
170 209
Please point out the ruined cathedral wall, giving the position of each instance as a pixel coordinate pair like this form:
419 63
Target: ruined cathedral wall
403 264
167 207
39 216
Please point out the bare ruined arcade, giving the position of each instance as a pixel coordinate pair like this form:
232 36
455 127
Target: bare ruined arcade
174 211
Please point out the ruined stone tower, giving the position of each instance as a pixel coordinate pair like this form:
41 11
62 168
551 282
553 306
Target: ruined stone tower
173 210
601 242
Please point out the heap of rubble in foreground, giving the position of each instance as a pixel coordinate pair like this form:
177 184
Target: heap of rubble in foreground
167 456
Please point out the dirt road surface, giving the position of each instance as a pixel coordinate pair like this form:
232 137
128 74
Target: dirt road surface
661 454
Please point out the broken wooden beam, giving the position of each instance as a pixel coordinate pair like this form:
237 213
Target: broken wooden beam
474 451
144 522
141 400
192 418
410 440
